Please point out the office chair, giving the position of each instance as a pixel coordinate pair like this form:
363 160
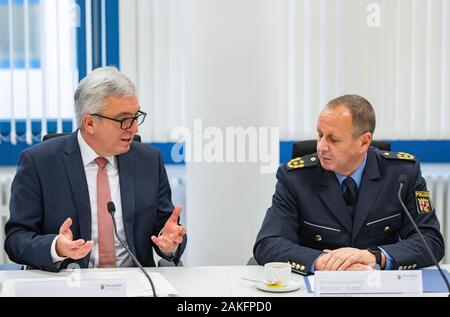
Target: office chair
165 263
49 136
252 261
303 148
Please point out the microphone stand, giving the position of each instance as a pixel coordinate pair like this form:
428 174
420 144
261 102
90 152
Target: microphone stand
112 209
402 183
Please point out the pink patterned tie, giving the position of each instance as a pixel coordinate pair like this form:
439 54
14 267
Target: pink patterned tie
106 250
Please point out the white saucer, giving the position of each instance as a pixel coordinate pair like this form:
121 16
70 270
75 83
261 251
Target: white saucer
290 287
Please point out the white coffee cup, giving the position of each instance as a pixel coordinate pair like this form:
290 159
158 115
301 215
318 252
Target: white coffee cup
277 272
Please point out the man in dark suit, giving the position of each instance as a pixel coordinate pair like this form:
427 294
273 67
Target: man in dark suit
338 209
59 195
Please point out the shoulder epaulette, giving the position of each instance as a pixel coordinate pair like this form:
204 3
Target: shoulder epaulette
303 162
398 156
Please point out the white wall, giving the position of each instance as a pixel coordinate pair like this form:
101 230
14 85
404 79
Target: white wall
150 55
231 61
269 63
396 53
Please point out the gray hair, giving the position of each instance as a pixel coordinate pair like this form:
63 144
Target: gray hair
96 87
363 114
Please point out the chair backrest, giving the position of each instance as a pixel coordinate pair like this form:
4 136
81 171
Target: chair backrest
303 148
54 135
252 261
165 263
49 136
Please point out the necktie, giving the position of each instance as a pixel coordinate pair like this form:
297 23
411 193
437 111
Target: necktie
350 193
106 250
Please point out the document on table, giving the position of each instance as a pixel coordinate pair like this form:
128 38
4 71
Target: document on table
131 283
139 285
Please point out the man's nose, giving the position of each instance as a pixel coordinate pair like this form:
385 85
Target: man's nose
134 127
322 145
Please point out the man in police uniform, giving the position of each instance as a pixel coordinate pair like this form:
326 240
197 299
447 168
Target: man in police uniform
338 209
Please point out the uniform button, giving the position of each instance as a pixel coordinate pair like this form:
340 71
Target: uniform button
400 268
302 268
387 229
318 238
410 267
414 266
297 267
293 265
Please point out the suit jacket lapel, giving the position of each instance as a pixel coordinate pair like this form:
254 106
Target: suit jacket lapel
331 195
77 179
370 189
127 194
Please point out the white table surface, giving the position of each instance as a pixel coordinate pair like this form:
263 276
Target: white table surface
205 281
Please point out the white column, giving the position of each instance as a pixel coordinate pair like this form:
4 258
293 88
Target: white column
233 58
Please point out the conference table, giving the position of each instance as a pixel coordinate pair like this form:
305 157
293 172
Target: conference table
201 281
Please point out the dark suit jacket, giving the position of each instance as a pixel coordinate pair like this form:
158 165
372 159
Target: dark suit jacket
309 214
50 186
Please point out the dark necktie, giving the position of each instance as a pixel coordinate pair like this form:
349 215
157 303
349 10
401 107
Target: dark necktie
350 193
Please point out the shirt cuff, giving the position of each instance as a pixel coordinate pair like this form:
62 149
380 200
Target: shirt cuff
389 260
312 268
55 257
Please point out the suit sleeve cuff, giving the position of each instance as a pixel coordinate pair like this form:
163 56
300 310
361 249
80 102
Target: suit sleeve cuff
55 257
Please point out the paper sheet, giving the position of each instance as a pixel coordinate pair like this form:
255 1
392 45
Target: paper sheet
136 282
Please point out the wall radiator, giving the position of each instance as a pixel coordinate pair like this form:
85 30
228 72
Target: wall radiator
5 186
438 181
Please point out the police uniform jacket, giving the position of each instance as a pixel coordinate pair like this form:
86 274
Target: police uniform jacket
309 214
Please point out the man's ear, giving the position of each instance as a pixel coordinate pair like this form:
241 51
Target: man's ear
366 140
88 123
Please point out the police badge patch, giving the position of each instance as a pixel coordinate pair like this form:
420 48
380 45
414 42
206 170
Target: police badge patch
423 202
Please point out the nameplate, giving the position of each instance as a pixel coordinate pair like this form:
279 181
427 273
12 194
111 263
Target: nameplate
368 283
66 287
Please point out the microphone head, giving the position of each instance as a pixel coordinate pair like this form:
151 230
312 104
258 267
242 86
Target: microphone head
111 207
403 179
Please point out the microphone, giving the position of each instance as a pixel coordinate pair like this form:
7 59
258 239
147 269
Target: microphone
112 209
403 180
